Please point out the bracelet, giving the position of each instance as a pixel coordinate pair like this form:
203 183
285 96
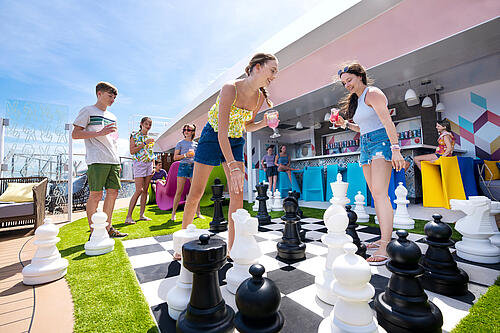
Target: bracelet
344 125
396 146
235 169
229 163
185 155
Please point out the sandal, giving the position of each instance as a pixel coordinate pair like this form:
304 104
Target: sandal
373 245
144 218
177 256
113 233
384 260
199 216
129 221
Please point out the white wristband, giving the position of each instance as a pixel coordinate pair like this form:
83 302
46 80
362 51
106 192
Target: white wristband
396 146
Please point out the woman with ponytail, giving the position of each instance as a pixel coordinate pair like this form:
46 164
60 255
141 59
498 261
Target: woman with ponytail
222 141
380 152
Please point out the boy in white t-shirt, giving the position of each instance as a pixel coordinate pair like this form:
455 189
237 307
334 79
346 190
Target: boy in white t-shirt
97 127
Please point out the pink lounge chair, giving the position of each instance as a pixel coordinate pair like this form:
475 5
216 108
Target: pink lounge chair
165 193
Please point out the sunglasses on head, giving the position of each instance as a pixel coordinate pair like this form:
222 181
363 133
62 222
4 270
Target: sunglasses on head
188 130
340 72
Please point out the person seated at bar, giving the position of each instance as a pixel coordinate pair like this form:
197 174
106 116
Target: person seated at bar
270 168
283 162
446 144
159 174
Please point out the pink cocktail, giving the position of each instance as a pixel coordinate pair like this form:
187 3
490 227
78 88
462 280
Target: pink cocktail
273 122
334 116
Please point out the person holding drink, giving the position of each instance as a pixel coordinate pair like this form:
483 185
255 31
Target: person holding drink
141 148
380 151
184 152
222 138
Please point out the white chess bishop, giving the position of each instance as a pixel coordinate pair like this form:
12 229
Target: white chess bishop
99 242
336 221
476 228
47 264
402 219
245 251
178 297
277 203
351 312
359 209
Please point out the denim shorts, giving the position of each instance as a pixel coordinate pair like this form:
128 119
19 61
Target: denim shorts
375 145
271 171
185 170
209 152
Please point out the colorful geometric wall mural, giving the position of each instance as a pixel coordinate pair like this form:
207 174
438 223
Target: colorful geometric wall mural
482 132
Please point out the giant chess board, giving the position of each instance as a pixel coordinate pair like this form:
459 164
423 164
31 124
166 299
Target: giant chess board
156 271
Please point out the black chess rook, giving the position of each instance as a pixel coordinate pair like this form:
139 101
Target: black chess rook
351 231
262 214
441 273
218 222
258 300
291 246
207 311
404 307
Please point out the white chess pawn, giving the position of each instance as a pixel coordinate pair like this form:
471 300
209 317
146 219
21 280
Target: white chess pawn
269 201
336 221
47 264
178 297
255 206
402 219
476 228
277 204
99 242
351 312
359 209
245 251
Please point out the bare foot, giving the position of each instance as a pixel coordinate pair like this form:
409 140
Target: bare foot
198 215
129 220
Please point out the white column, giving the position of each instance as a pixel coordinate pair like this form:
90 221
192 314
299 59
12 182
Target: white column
3 123
249 167
68 127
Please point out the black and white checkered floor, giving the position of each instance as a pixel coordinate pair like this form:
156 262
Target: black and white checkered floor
157 272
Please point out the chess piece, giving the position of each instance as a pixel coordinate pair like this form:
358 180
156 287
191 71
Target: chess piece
255 206
178 297
359 201
495 209
269 201
47 264
299 211
402 219
354 291
218 222
404 306
207 311
441 273
291 247
351 231
277 204
339 191
476 228
99 242
336 221
258 300
262 215
245 251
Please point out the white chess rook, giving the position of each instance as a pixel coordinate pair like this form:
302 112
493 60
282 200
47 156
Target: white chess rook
359 209
351 312
178 297
336 221
402 219
245 251
99 242
47 264
277 204
476 228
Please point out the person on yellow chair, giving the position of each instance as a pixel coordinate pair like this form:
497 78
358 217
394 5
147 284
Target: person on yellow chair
446 144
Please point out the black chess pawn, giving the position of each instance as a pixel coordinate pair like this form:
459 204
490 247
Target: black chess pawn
218 222
291 247
441 273
299 211
258 300
262 215
207 311
404 306
351 231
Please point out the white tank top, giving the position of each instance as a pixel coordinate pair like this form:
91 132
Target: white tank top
365 116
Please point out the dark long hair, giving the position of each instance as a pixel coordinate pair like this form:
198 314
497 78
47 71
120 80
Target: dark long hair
261 59
143 120
349 102
445 123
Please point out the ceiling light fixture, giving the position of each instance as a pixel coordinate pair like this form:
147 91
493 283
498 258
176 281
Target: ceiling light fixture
427 102
299 125
411 97
440 106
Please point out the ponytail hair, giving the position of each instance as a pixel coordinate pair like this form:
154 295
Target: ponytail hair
349 102
261 59
445 123
143 120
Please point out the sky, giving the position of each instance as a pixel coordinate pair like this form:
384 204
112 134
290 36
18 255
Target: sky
160 54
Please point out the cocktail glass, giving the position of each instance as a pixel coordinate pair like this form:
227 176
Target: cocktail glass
273 122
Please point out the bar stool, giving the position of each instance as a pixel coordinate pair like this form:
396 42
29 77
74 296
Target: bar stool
441 181
313 189
331 176
356 180
466 165
284 185
296 185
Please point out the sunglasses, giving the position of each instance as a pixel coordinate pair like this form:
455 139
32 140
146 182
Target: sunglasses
187 130
340 72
